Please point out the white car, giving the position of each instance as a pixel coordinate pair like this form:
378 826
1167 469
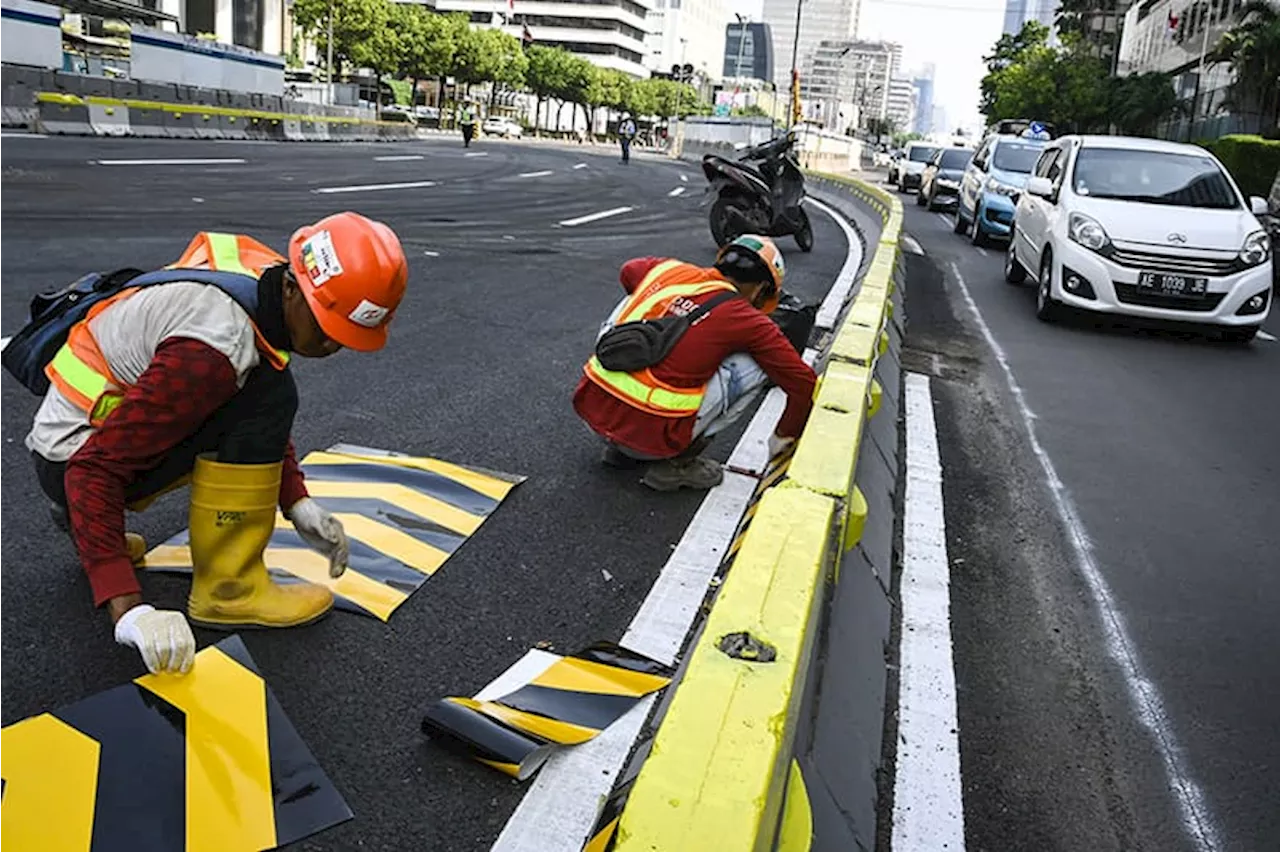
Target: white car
1142 227
911 167
500 126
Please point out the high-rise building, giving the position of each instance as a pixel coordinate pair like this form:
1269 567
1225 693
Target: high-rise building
821 20
902 103
847 82
686 32
924 100
608 33
748 52
941 124
1018 12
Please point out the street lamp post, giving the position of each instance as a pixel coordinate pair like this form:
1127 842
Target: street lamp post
329 44
795 49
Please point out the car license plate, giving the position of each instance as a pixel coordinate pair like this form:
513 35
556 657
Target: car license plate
1173 285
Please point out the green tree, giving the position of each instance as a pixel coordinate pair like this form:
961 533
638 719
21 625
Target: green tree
427 42
361 33
1140 102
1252 50
642 98
546 77
609 88
576 84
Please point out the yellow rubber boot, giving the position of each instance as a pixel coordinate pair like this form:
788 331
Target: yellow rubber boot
233 511
136 545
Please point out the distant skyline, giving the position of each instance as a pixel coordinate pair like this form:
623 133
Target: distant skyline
953 34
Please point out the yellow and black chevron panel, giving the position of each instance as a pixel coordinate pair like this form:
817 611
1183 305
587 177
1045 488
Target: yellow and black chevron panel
570 702
404 515
204 763
601 837
775 472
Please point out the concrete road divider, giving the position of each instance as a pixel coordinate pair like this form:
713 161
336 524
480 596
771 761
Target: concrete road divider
745 724
62 114
107 119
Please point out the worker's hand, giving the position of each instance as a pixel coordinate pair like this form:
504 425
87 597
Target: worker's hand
778 445
323 532
163 637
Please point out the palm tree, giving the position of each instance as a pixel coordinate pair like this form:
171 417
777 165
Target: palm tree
1252 49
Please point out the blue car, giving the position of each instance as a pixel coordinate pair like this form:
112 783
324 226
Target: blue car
992 182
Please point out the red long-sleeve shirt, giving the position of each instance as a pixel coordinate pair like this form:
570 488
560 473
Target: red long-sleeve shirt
184 384
731 327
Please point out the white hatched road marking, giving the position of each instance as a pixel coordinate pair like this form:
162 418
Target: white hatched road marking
679 190
928 808
209 161
565 798
397 158
1198 822
374 187
542 173
591 217
942 217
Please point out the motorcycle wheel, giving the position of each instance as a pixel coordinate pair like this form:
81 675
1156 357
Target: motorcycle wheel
721 232
804 235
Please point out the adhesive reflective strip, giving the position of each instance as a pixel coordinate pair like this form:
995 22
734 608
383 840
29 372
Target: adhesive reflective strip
399 495
394 543
552 730
577 675
412 524
586 709
229 797
491 485
51 777
425 481
458 727
599 842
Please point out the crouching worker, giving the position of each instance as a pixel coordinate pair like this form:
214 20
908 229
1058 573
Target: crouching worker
667 413
183 375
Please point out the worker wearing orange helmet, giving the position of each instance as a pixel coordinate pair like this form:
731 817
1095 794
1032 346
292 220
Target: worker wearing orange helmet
188 381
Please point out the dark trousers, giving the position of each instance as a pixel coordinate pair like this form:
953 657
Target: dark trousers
253 427
468 130
626 149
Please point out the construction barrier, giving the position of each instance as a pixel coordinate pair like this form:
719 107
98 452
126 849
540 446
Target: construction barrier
729 759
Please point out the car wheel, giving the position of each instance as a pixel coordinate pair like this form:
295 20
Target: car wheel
920 199
978 237
960 227
1013 271
1047 308
804 235
1241 335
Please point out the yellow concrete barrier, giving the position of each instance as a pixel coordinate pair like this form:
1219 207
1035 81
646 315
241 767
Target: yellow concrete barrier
721 775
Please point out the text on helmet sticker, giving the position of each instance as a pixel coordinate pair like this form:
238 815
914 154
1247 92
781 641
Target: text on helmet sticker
320 258
368 314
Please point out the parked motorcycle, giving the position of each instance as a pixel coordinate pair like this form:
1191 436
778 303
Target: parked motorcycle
765 200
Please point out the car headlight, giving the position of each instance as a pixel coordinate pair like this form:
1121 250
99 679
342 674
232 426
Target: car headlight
1256 249
1087 232
993 185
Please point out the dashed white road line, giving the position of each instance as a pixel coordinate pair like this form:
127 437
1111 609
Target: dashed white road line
580 166
210 161
542 173
928 808
942 217
373 187
397 158
911 245
684 178
477 154
679 190
1263 335
1199 823
16 135
430 253
591 217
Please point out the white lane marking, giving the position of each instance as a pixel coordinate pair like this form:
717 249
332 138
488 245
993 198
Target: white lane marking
373 187
942 217
591 217
17 135
679 190
397 158
477 154
1263 335
580 166
565 798
981 250
909 242
542 173
197 199
684 178
1200 825
210 161
534 662
4 341
833 304
928 808
430 253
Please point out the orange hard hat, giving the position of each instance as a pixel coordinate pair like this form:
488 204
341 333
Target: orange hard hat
352 272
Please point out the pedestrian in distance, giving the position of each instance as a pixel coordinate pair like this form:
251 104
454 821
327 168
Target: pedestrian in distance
468 122
664 413
626 133
187 379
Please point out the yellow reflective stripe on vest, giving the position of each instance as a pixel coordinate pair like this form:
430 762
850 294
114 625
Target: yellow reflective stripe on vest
671 292
87 382
634 389
224 251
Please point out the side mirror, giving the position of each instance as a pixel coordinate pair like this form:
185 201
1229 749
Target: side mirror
1040 186
1258 204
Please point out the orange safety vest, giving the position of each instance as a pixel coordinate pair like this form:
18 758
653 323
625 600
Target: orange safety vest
666 282
80 371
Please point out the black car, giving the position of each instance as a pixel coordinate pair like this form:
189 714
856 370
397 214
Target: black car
940 182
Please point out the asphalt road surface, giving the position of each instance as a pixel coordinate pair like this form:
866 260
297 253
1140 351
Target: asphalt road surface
1126 701
502 308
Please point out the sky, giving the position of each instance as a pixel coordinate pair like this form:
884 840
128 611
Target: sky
952 34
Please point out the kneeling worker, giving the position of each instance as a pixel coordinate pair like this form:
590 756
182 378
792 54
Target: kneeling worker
669 412
175 381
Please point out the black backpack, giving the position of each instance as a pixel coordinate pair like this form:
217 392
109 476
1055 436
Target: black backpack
633 346
53 314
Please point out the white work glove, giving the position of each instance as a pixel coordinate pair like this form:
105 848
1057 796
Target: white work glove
163 637
778 445
323 532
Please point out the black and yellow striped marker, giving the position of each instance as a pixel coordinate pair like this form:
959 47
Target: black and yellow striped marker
569 703
207 762
404 516
774 472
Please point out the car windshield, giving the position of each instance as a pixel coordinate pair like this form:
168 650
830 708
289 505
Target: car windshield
956 158
921 154
1016 156
1153 177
